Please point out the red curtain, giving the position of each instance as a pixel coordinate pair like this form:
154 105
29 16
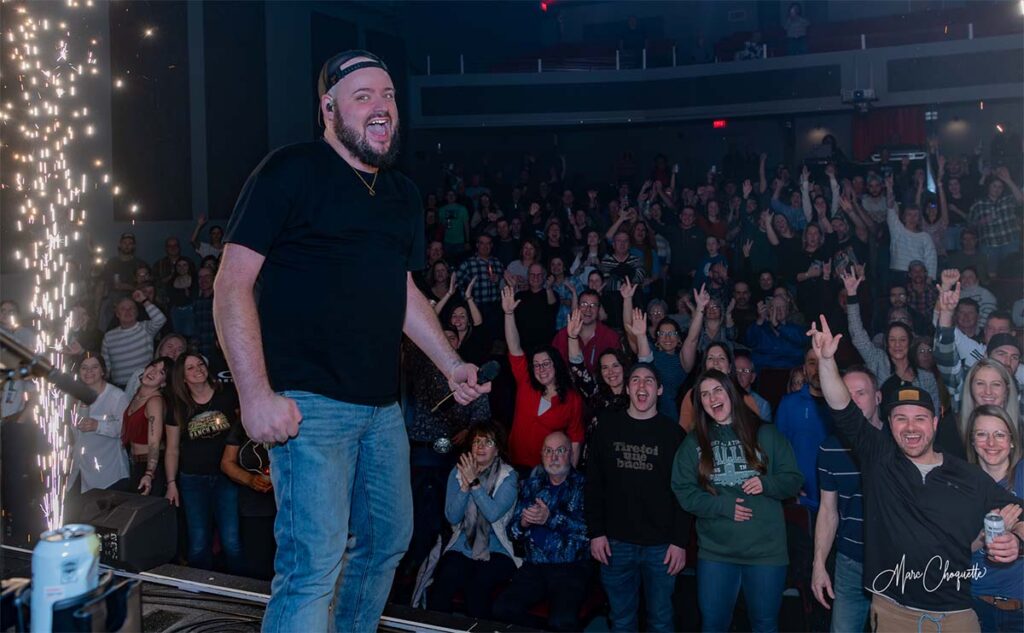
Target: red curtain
887 126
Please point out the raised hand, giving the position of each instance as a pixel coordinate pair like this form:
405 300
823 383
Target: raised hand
941 160
575 324
830 170
888 182
702 298
627 288
748 187
732 306
509 303
469 288
747 245
138 296
852 280
452 280
949 277
805 175
826 268
823 342
948 299
638 327
1002 173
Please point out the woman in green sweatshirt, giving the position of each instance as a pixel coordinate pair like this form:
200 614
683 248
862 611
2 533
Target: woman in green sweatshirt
733 474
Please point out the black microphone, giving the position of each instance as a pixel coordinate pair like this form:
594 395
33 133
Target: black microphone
487 372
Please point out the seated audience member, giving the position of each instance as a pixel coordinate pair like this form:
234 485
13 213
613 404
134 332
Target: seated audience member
997 217
479 505
969 256
919 504
710 324
538 307
803 419
128 347
594 336
204 412
971 288
629 475
83 337
464 318
519 270
164 268
744 310
774 342
545 398
142 430
896 359
840 518
98 459
733 473
746 374
998 591
617 266
434 436
212 248
549 521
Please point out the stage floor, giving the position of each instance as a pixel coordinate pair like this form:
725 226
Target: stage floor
185 600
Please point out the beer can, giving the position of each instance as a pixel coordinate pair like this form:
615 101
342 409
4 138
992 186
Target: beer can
994 526
65 564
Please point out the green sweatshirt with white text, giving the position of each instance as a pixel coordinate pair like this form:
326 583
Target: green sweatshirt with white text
761 540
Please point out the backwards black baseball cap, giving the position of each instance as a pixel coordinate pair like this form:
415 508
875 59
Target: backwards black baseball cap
896 392
332 72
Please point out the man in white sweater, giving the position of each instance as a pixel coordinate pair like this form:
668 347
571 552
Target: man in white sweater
907 240
128 347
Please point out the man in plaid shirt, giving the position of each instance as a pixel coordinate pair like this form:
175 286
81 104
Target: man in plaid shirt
487 270
922 293
998 218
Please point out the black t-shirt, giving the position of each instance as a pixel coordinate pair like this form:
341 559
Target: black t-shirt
253 457
333 286
535 319
203 434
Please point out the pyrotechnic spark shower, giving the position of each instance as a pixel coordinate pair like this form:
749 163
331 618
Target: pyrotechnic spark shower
43 118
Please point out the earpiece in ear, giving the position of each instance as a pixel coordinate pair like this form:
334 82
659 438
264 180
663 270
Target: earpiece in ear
330 106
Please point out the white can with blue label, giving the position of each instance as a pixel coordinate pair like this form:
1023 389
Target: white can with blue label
65 564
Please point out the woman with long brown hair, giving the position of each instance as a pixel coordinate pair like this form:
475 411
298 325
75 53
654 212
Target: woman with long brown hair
142 430
204 413
733 473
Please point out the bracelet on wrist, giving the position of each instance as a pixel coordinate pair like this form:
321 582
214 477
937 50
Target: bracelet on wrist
173 481
573 338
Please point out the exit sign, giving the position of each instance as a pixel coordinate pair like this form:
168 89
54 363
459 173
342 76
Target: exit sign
719 124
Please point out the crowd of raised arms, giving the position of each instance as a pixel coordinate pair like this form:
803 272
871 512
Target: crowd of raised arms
775 377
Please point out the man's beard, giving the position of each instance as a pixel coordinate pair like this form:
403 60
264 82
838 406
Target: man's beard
360 147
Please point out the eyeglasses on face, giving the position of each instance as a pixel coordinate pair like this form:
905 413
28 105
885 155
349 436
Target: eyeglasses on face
588 304
486 442
744 370
561 451
668 334
1000 437
544 364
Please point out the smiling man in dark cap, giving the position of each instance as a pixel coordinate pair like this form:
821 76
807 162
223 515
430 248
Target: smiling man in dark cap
332 233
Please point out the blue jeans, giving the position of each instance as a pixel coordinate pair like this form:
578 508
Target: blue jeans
852 604
209 499
628 566
348 467
718 585
995 620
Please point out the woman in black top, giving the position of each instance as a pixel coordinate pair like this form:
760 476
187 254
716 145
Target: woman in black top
204 413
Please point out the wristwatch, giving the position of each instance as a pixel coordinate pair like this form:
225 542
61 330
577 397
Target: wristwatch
475 482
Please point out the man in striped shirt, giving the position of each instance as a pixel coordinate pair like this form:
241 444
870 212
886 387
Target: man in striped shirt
128 347
841 514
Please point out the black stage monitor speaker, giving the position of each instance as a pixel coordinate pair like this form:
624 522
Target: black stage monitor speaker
136 532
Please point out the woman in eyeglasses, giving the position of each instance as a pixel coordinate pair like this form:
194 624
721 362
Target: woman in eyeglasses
479 504
998 590
545 398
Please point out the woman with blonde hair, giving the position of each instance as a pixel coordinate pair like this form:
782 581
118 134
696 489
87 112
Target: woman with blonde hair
995 447
987 383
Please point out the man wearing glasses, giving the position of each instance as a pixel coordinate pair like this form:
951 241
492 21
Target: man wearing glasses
549 521
594 338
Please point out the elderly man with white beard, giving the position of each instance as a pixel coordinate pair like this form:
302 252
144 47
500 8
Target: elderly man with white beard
637 528
549 521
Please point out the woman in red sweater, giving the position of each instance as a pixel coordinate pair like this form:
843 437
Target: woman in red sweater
545 399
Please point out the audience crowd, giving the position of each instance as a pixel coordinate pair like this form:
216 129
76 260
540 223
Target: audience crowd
776 378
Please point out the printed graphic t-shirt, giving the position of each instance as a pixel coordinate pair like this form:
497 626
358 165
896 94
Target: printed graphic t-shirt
204 433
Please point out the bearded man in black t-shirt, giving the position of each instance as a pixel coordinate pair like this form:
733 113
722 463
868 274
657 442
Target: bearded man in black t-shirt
332 234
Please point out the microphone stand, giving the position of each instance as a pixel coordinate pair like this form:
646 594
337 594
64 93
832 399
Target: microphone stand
37 366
